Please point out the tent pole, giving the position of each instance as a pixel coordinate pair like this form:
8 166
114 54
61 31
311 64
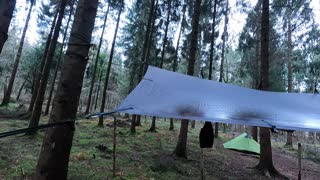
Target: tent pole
114 145
202 168
299 160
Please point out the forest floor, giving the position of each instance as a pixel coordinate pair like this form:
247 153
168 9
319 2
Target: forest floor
146 155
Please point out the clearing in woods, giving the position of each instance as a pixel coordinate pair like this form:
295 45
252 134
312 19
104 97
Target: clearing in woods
143 156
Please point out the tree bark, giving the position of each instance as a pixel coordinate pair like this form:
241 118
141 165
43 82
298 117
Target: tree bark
289 139
153 125
96 62
55 151
181 148
46 112
6 13
193 124
265 161
289 134
98 88
165 38
6 98
20 90
175 61
36 113
133 126
224 36
105 88
254 133
138 120
43 60
212 39
146 46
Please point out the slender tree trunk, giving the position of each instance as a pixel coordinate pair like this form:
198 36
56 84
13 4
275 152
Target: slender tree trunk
221 74
105 88
151 37
55 151
98 89
289 133
153 125
257 78
175 61
265 161
146 40
181 148
224 39
6 98
133 126
212 39
254 133
43 60
20 90
165 38
46 112
146 64
144 60
36 113
6 13
131 86
96 62
138 120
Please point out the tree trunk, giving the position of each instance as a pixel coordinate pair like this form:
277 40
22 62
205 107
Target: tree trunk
146 64
20 90
6 98
193 124
138 120
6 13
224 36
254 133
221 74
36 113
105 88
96 62
256 82
181 148
289 139
46 112
165 38
146 46
265 161
212 39
133 126
43 60
55 151
289 134
171 128
98 88
153 125
175 62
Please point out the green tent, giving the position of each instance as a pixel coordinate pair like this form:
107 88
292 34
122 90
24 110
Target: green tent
244 143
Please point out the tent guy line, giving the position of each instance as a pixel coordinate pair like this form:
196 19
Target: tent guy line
45 126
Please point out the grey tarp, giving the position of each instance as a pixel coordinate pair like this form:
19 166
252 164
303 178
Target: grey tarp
167 94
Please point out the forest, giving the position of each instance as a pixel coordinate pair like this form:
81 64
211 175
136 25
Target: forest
63 63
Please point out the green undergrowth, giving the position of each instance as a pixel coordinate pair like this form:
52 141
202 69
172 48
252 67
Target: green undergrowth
10 106
145 155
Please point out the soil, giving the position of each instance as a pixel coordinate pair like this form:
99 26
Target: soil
237 165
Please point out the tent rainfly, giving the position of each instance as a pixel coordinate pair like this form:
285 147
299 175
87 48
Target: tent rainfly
167 94
244 143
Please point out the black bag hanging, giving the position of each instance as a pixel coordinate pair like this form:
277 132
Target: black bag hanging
206 135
